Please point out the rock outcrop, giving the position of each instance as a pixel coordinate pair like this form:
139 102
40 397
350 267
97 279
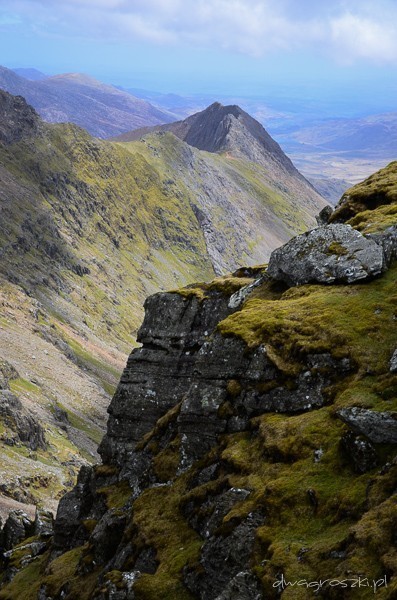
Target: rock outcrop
19 120
20 426
378 427
334 253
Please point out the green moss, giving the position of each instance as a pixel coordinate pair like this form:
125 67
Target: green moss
278 467
233 387
26 583
106 470
62 574
161 426
117 495
161 525
337 248
309 319
21 551
365 204
166 462
90 524
373 221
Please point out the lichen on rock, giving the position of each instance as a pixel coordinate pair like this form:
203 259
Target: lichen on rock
334 253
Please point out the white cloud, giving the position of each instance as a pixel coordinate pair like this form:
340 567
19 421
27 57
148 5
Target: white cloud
356 37
349 30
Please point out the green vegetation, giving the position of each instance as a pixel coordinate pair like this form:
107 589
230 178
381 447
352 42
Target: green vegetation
116 495
368 206
161 525
22 385
298 322
62 575
26 583
370 221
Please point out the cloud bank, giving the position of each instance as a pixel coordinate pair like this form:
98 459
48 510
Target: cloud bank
348 30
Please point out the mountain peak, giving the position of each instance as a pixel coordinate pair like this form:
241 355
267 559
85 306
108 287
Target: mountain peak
229 129
225 129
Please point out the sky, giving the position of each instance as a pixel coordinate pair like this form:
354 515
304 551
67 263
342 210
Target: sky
316 49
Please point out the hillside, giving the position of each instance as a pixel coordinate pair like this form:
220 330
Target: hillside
101 109
88 230
252 438
233 198
330 188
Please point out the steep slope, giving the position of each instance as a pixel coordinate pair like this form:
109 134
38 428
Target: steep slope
233 199
101 109
81 247
88 230
251 442
246 161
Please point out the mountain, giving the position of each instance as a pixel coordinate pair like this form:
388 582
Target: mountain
31 74
223 129
101 109
330 188
251 444
88 230
374 135
231 133
180 106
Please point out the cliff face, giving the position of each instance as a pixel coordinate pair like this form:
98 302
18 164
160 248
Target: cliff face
251 440
88 230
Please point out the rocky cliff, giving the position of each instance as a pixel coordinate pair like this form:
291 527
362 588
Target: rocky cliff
88 230
251 441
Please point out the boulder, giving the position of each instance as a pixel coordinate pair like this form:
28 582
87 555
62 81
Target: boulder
324 215
378 427
334 253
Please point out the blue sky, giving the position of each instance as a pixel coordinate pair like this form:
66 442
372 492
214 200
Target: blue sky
318 49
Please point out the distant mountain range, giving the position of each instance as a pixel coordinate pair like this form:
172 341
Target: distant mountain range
89 228
337 151
101 109
375 135
331 189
